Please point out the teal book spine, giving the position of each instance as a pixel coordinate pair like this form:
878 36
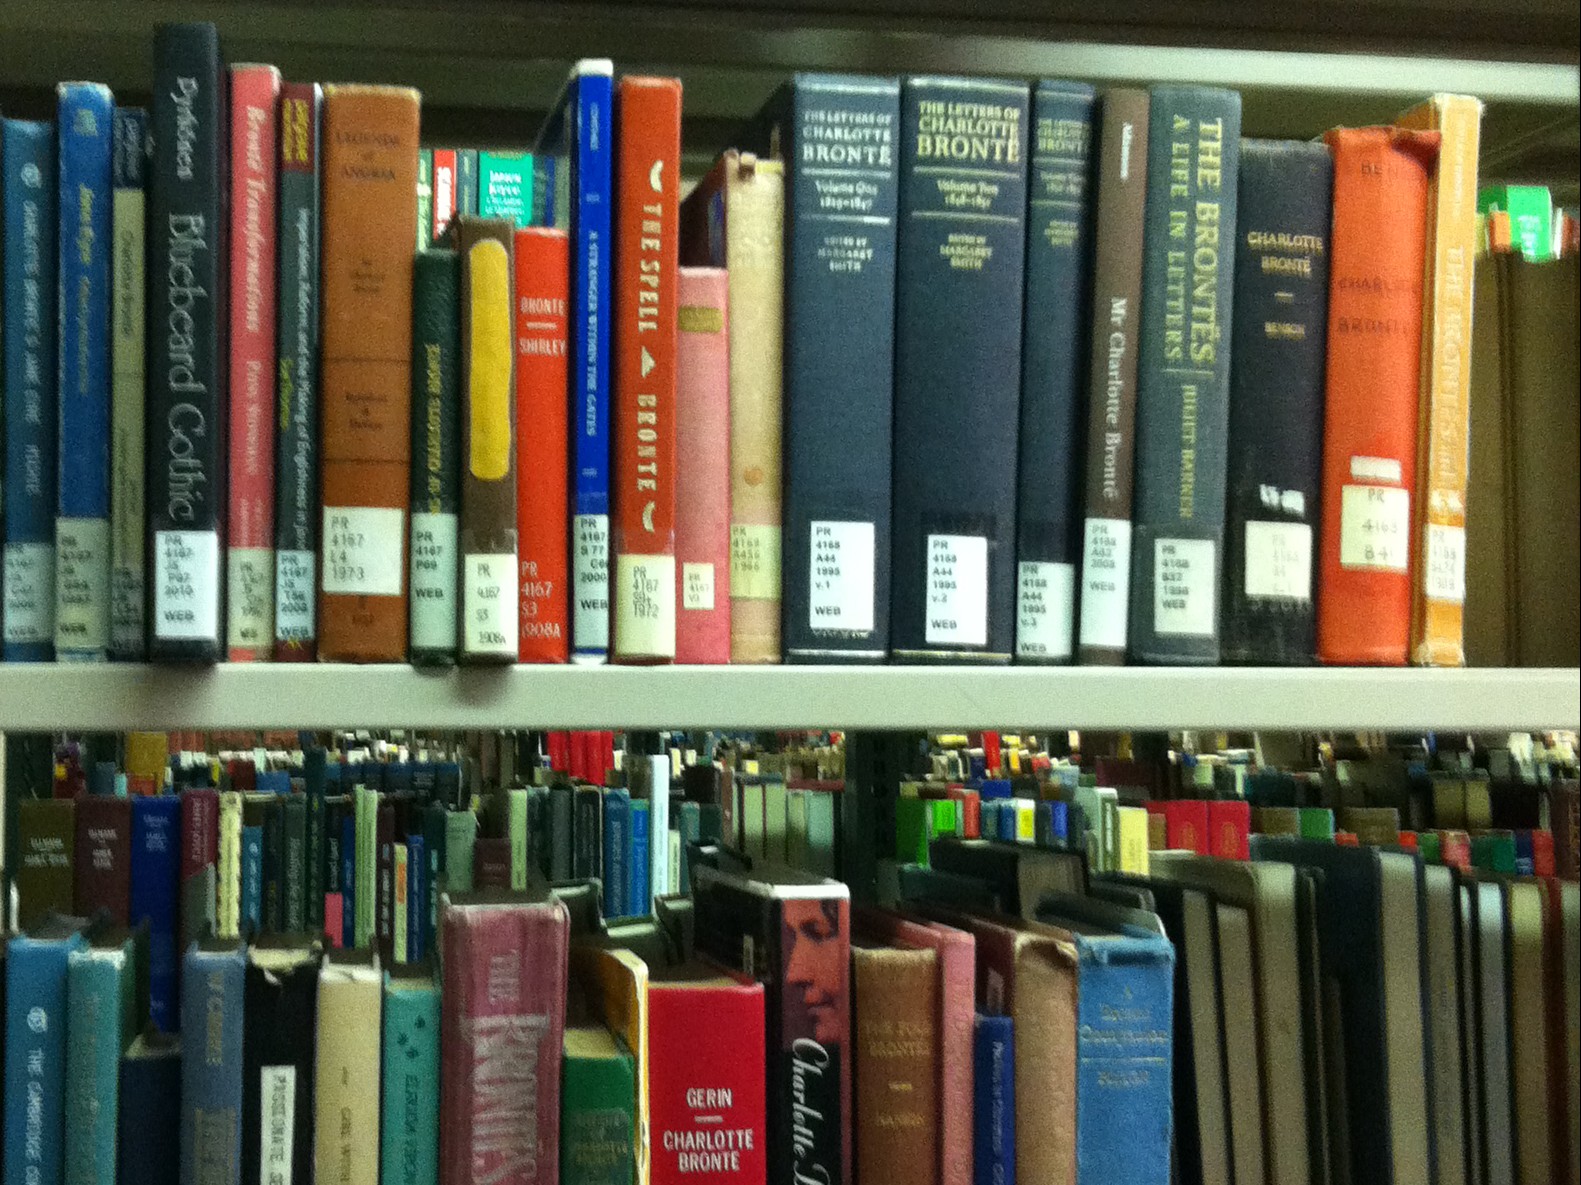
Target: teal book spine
96 1003
505 187
35 1058
410 1139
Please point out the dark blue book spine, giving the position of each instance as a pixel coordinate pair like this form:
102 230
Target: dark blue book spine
150 1117
27 156
416 895
958 299
156 874
638 901
1053 371
1278 346
617 852
994 1101
1183 374
252 880
186 365
35 1058
839 135
348 880
212 986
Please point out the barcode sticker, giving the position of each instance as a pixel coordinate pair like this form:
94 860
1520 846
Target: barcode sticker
82 584
1185 584
363 549
1375 528
1446 563
697 586
1045 595
434 566
957 606
249 589
490 616
295 595
29 593
186 584
754 562
1105 582
1279 560
840 594
590 581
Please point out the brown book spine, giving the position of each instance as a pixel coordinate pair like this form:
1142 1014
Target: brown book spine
370 223
490 612
895 1023
46 847
103 864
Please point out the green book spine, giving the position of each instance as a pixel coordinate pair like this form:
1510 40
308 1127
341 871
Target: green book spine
597 1110
913 829
425 199
410 1140
1431 848
99 985
461 834
366 892
1494 852
505 186
516 824
943 818
1317 822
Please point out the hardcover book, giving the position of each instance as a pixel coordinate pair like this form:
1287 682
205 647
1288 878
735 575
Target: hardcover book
597 1119
346 1070
36 969
436 445
894 1036
200 852
702 474
128 379
280 994
960 262
410 1141
103 862
994 1100
155 888
212 993
614 981
1183 374
150 1120
505 187
46 853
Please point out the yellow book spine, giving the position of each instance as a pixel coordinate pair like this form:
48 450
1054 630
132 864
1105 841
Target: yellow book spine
346 1077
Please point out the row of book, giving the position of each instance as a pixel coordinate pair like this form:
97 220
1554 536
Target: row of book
1209 405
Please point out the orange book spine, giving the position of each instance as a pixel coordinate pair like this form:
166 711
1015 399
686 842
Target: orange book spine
543 503
1374 357
647 230
370 223
1438 538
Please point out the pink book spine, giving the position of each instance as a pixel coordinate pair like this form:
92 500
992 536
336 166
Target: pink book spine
502 1021
702 483
255 102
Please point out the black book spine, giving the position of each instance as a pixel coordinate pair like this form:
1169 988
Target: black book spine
294 874
278 1032
958 302
185 343
1053 370
1278 339
588 857
1183 374
436 452
562 821
538 856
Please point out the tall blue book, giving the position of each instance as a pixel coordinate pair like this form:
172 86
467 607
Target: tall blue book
213 989
639 900
617 852
100 992
958 290
35 1050
994 1101
85 124
410 1136
1183 374
837 135
150 1109
27 158
1053 371
579 132
156 875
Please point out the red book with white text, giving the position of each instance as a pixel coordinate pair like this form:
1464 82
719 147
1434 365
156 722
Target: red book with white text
702 468
249 574
647 234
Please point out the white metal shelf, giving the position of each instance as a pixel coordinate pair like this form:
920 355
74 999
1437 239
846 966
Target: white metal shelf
126 697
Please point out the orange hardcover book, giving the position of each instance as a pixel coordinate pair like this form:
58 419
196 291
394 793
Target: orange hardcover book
1377 265
647 231
370 223
1438 536
543 498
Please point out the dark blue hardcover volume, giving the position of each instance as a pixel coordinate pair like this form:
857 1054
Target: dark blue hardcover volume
1278 346
958 299
156 874
35 1053
839 136
212 987
1183 374
186 366
639 901
27 155
1053 371
617 852
416 896
994 1101
150 1110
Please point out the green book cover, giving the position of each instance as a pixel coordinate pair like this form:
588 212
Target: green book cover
410 1140
505 186
425 199
913 829
1494 851
1430 847
944 821
366 893
461 834
1317 822
516 831
597 1109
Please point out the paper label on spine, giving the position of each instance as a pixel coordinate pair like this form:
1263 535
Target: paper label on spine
1045 606
1375 528
126 609
1446 563
697 586
1185 587
590 581
1279 560
490 615
840 596
279 1124
82 584
434 567
957 610
645 606
754 562
1105 582
363 550
249 617
295 595
29 593
186 584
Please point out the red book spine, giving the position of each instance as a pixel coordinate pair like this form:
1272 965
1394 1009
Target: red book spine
542 438
103 857
647 233
1186 825
702 473
502 1021
249 578
444 190
1378 261
714 1135
1229 829
1454 849
1542 850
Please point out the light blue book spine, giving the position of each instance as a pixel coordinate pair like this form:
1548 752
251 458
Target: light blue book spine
617 853
410 1138
35 1062
85 124
252 880
95 999
27 156
638 897
211 1066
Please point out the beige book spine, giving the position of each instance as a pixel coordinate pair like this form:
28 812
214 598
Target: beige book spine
346 1077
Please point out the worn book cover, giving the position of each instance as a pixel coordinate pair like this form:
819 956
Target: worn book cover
212 991
46 859
346 1069
894 1039
128 385
597 1118
279 1029
36 969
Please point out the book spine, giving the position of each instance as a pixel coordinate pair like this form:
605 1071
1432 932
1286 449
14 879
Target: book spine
647 214
617 852
444 207
252 879
314 768
200 843
639 898
128 465
467 182
228 867
370 174
490 596
279 1024
588 856
410 1140
543 258
35 1064
895 1042
212 1009
1058 266
960 264
294 871
95 1002
103 857
186 363
155 872
150 1135
1183 372
994 1102
436 446
461 833
505 187
1374 356
702 471
425 199
249 556
1278 334
418 895
350 1007
296 390
85 125
598 1119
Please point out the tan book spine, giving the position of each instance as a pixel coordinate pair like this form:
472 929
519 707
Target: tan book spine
346 1076
1438 588
1528 1046
896 1010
